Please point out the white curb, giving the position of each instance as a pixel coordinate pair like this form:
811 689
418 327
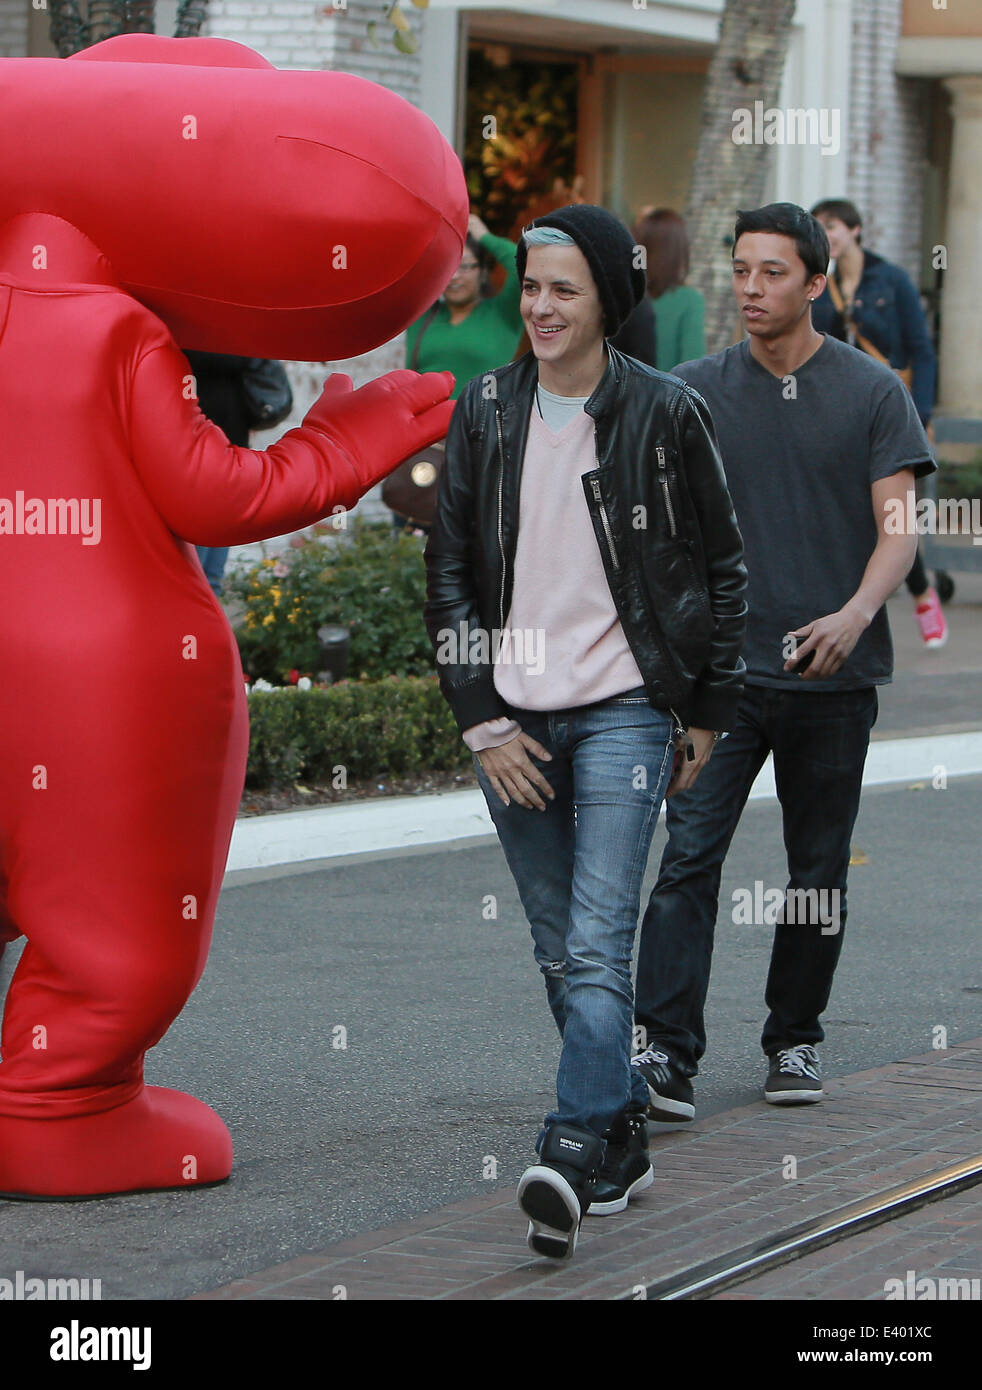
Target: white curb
400 824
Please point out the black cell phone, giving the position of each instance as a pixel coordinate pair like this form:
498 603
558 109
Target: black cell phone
804 665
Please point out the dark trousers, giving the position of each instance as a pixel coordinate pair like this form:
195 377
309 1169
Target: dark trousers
819 742
917 580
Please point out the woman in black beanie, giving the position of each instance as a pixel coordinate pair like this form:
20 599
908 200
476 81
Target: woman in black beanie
610 252
585 600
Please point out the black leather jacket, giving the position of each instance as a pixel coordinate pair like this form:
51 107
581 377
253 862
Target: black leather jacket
661 514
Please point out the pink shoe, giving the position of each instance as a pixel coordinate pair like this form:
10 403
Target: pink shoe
931 620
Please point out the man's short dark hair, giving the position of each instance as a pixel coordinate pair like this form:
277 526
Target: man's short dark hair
840 208
788 219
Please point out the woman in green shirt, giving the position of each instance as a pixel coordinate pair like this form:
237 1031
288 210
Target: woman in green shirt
680 310
467 332
470 330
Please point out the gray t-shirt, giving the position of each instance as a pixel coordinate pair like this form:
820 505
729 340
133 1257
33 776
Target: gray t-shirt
800 456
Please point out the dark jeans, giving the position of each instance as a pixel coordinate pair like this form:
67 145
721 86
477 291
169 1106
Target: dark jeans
917 580
819 742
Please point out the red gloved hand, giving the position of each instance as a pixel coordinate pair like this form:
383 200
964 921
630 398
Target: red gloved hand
383 423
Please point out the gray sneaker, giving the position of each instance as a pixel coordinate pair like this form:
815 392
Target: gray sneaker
794 1076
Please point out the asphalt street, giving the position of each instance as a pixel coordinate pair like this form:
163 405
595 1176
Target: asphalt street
445 1066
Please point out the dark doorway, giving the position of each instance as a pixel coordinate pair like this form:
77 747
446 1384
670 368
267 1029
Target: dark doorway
520 132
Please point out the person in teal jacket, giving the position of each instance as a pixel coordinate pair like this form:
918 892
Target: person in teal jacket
679 308
470 330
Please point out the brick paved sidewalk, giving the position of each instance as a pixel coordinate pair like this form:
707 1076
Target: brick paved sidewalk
719 1183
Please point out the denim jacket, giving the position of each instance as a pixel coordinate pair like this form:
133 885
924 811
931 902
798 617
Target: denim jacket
887 310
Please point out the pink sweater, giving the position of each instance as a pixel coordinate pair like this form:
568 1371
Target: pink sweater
565 644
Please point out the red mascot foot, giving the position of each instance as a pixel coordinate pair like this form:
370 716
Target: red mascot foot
160 1139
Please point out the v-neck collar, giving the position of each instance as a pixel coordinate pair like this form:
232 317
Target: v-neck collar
772 376
576 421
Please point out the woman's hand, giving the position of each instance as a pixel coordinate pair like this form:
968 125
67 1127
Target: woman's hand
686 769
476 227
513 774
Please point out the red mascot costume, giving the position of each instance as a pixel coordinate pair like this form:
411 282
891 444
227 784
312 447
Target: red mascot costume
156 191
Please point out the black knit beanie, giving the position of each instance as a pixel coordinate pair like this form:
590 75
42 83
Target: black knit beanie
610 252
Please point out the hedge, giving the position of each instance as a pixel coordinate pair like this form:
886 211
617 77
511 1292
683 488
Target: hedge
393 726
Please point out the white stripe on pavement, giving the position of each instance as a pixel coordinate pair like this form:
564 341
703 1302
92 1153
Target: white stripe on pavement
401 823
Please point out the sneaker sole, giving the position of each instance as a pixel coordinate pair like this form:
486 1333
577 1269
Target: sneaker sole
617 1204
668 1111
553 1211
793 1097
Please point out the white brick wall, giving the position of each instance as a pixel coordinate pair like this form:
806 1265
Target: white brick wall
300 34
311 33
13 28
887 137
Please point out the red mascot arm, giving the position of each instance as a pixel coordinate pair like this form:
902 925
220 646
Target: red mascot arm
210 492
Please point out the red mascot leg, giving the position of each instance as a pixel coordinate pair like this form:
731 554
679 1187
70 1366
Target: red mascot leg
116 895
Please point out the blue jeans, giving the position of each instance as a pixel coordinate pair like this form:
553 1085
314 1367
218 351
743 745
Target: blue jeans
213 558
578 867
819 741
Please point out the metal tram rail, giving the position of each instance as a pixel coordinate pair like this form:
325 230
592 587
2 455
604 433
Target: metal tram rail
713 1276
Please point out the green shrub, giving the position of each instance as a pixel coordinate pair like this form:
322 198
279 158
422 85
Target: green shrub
393 726
370 580
960 479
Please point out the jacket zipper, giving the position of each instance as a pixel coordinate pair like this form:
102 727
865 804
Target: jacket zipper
595 484
663 479
501 542
659 639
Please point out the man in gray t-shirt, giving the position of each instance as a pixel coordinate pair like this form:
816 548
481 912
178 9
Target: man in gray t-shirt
821 445
801 456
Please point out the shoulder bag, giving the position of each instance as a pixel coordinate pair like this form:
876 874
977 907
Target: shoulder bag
412 489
